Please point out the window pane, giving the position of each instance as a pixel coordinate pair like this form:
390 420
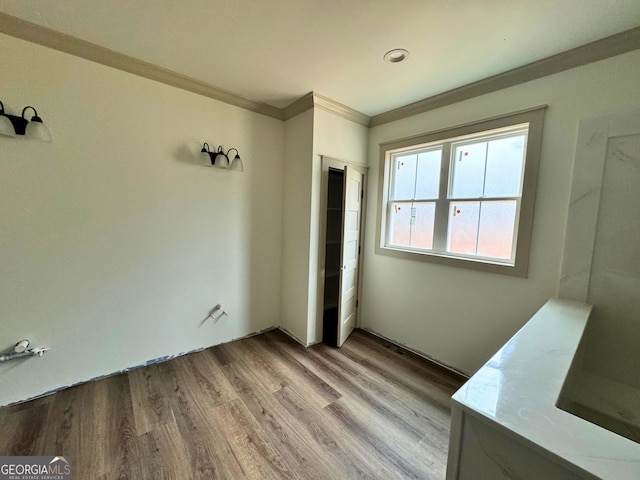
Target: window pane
404 177
428 176
505 159
423 222
462 236
468 170
400 224
497 224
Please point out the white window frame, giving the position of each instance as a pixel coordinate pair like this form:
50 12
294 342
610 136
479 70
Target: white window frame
531 119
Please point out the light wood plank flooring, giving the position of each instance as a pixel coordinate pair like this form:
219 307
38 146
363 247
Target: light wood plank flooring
262 407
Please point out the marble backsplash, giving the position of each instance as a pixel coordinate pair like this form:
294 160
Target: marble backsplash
601 262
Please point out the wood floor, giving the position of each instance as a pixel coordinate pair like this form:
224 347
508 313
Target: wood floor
262 407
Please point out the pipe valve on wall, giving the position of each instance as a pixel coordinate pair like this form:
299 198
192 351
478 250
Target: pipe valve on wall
21 350
21 346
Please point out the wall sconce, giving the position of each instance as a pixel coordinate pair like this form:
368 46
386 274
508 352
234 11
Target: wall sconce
12 125
219 159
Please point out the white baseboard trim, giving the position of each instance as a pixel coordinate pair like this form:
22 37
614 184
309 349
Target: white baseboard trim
417 352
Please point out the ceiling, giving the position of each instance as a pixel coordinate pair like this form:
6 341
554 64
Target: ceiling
276 51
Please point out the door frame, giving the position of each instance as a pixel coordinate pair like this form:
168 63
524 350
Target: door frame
329 162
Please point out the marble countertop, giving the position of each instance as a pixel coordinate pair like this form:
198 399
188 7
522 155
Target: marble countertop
519 387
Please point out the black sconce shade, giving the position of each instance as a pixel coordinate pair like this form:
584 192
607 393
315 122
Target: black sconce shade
12 125
220 159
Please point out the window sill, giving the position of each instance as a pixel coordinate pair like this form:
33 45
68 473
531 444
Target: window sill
481 264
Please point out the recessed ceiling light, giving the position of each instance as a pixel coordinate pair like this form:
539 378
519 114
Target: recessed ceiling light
396 55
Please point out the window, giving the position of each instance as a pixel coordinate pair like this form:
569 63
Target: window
463 196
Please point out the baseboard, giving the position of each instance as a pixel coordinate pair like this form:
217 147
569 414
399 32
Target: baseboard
419 353
293 337
145 364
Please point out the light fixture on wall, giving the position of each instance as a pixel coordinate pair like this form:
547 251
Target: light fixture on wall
220 159
12 125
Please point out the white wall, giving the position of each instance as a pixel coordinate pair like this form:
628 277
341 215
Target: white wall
339 138
460 316
295 236
114 243
308 136
342 139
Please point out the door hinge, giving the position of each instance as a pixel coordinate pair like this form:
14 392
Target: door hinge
361 193
357 303
358 249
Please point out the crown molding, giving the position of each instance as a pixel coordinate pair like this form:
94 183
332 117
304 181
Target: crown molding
301 105
340 110
618 44
592 52
47 37
314 100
